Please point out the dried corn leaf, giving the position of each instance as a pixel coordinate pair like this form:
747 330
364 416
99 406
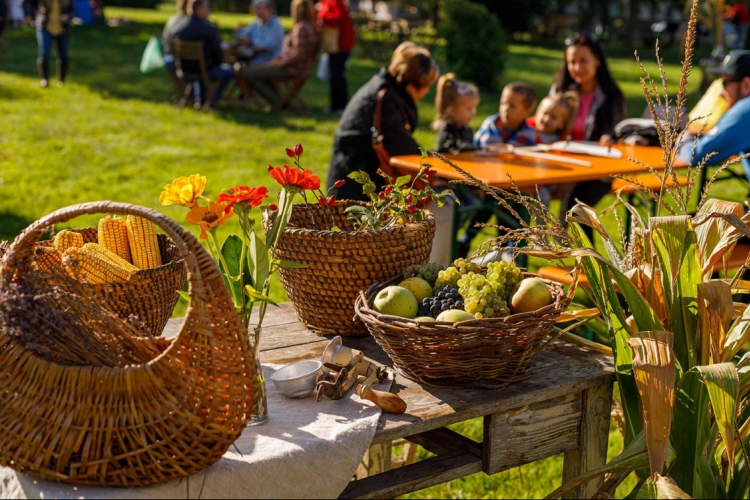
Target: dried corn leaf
738 334
658 486
578 314
652 289
711 233
654 369
723 386
715 309
738 227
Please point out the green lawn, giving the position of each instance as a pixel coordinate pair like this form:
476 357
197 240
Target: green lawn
109 133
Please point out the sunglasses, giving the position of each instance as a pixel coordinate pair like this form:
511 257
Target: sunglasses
728 81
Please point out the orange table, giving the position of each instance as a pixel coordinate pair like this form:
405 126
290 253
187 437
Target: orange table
529 172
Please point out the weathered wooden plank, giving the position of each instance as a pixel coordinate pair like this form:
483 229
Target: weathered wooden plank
441 441
416 476
561 369
532 432
593 440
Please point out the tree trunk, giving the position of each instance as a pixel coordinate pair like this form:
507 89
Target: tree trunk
633 32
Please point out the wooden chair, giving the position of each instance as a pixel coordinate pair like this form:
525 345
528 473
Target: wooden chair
184 52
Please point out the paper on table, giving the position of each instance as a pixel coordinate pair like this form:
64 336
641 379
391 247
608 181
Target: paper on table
305 450
579 147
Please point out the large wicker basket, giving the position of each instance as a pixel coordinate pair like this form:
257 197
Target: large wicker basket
149 294
486 353
134 425
343 263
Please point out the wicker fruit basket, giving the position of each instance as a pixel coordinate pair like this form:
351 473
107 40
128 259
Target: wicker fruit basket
129 425
149 294
486 353
343 263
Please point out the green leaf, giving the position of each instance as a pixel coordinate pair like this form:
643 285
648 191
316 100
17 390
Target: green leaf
290 264
257 296
359 176
691 437
261 266
356 210
184 296
723 386
658 486
231 251
335 229
402 180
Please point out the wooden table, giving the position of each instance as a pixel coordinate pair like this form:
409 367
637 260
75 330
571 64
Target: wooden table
563 408
528 172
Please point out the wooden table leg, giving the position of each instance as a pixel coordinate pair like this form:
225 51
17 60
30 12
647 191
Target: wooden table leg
376 460
592 441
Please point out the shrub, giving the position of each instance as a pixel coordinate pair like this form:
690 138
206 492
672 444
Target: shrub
475 43
136 4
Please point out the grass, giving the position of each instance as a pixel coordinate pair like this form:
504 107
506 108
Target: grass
109 133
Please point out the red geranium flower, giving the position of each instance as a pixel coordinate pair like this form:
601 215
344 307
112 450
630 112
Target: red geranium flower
243 194
302 179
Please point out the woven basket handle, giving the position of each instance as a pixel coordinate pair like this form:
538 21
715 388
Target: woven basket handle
198 262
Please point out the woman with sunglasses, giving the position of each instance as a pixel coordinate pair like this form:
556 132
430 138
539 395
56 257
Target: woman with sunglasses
601 104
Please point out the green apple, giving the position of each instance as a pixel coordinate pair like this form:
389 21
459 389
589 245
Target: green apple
454 316
417 286
529 295
396 301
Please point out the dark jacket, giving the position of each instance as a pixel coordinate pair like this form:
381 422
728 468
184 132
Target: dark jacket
454 139
195 29
40 8
352 143
605 113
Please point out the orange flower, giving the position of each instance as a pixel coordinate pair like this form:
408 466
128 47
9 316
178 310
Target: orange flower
302 179
252 197
210 217
183 191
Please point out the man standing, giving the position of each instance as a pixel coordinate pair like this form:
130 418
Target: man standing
729 136
195 28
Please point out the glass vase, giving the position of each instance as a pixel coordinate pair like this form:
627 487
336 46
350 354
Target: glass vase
259 415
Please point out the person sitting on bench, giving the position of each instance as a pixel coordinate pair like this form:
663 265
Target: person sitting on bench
296 60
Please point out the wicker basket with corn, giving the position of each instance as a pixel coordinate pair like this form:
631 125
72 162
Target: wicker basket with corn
126 265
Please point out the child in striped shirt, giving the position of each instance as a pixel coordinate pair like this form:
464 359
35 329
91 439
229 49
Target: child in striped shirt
508 126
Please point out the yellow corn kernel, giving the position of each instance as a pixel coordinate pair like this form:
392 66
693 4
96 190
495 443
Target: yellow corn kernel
109 255
144 245
112 234
47 259
67 239
88 267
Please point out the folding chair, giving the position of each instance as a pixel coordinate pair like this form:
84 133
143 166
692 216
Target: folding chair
196 83
290 90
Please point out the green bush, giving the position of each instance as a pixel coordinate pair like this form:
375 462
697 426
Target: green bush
475 43
135 4
243 6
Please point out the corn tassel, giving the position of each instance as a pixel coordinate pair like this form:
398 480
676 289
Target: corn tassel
109 255
67 239
88 267
47 259
112 234
144 245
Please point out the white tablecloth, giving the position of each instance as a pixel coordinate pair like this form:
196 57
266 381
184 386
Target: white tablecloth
306 450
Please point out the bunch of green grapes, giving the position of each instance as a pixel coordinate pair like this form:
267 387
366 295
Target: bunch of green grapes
483 297
460 268
504 274
428 272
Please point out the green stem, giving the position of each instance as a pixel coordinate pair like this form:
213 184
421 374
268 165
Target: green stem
217 252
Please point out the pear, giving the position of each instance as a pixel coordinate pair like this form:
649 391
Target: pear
529 295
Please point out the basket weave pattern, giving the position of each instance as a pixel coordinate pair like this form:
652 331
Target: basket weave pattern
343 263
137 425
486 353
150 294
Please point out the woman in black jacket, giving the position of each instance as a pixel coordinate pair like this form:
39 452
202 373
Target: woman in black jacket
52 26
601 104
407 79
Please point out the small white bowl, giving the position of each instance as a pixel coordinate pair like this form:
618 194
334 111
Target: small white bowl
298 379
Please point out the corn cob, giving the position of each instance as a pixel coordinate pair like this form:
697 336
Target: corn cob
88 267
67 239
144 246
109 255
47 259
112 234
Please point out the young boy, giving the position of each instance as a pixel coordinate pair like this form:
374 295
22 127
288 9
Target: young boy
517 102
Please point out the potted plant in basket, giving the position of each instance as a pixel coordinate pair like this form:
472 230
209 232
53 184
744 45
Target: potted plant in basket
677 338
246 260
348 245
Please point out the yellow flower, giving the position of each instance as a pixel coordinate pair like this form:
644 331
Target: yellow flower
210 217
183 191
